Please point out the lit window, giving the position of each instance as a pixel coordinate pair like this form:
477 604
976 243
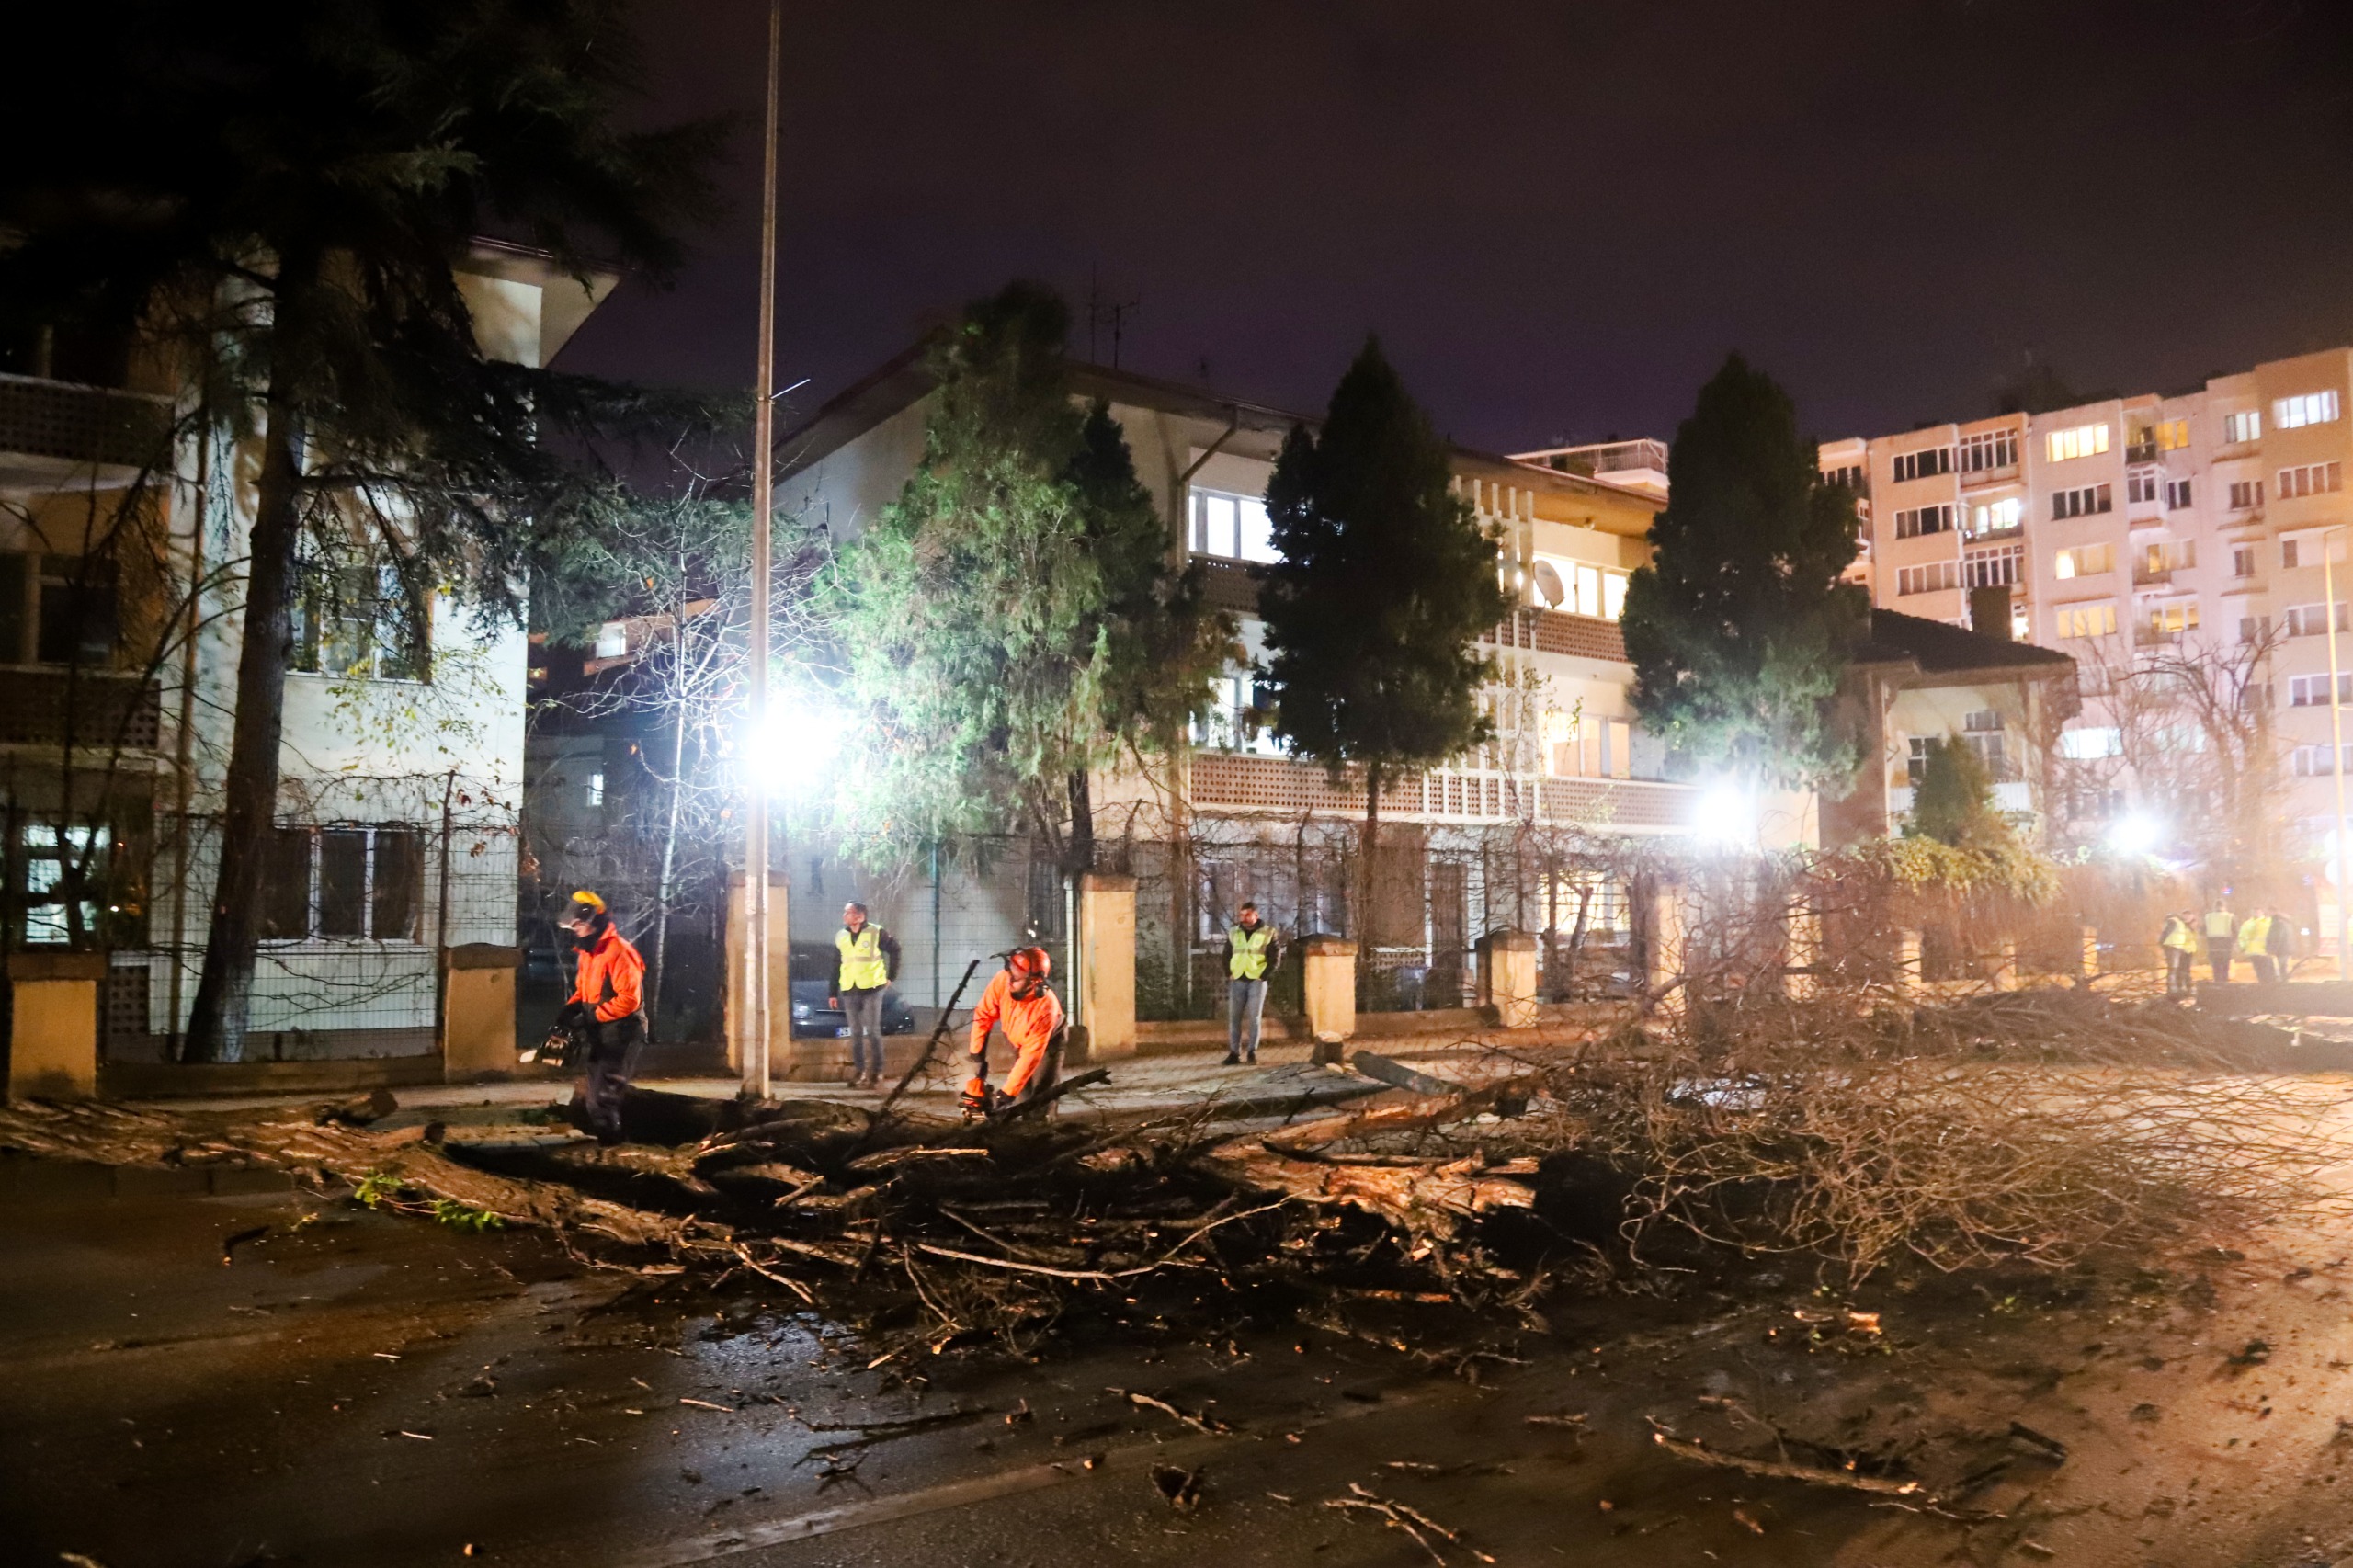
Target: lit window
1996 517
2246 425
1613 596
2087 620
2310 408
2083 441
2173 435
2083 561
2173 619
1232 528
612 640
2090 745
594 795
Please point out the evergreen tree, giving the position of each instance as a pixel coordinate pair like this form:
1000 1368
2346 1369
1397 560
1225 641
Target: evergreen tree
276 192
1954 800
1382 584
1738 628
1012 622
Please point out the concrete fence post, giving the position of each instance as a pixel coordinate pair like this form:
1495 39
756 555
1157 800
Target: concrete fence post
1106 957
2091 952
2002 965
478 1012
1663 937
53 1025
1507 977
1909 975
1328 976
779 979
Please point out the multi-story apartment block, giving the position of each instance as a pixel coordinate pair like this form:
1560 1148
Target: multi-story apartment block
2197 519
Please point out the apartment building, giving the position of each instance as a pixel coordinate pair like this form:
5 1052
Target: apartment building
2196 519
122 537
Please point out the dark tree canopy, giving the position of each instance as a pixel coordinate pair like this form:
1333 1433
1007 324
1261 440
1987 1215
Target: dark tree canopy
1953 802
1383 583
1738 628
274 194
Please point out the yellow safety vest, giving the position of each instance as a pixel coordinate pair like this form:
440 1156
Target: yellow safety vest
2179 936
863 966
1248 960
2253 932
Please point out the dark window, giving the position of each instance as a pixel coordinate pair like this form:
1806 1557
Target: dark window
286 886
15 586
343 883
399 879
77 611
356 622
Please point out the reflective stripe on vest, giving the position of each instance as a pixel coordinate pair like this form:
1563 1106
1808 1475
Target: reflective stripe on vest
1249 959
863 967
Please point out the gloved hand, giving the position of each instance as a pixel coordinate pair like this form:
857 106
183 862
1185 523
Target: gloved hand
976 1088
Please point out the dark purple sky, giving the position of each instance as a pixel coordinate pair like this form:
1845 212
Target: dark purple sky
1557 216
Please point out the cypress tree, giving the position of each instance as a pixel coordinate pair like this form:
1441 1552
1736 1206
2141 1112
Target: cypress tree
1738 628
1383 583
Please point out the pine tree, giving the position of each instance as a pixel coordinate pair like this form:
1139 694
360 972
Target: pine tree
1383 583
1011 623
1738 628
1954 800
276 192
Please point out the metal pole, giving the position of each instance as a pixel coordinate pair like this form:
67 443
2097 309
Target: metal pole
2335 740
754 1042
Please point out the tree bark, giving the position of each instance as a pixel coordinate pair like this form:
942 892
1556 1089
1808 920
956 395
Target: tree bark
1078 849
223 1006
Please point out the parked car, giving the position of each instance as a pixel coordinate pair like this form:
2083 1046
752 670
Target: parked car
816 1011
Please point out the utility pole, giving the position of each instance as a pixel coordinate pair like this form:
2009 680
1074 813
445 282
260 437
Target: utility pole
752 1041
2337 744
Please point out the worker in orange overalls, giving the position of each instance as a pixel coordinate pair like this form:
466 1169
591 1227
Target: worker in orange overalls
1019 1001
607 1008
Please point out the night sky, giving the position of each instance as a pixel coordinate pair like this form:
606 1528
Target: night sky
1558 217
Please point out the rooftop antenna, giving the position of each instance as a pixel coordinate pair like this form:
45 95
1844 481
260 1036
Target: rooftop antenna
1099 310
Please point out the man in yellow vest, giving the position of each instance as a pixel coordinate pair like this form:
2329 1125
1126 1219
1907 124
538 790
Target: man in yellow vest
2255 946
870 960
2221 926
2178 942
1252 951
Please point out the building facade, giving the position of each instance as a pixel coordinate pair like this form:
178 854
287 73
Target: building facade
1480 842
123 519
2114 530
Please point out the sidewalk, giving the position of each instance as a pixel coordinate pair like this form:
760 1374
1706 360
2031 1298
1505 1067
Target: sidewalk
1283 1082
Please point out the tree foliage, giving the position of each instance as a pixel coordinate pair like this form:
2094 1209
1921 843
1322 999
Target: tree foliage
1953 802
1012 623
1383 583
1738 628
276 194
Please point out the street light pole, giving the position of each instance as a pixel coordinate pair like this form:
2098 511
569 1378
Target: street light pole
753 1040
2335 740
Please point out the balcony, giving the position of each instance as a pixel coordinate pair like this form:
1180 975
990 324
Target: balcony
1554 631
2000 473
93 711
1229 585
2140 452
1235 782
54 430
2151 637
2152 577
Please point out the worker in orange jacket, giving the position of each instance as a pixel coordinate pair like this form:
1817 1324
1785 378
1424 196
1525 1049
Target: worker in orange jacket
1018 1000
607 1008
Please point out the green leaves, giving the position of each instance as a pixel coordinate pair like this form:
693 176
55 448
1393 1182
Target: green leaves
1738 628
1010 624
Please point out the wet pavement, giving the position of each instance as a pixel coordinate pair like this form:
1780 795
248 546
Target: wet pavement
353 1388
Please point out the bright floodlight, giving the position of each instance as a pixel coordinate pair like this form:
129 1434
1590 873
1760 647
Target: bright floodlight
2134 835
799 742
1728 813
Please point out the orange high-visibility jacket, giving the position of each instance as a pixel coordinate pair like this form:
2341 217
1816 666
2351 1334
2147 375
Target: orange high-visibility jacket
1029 1022
612 974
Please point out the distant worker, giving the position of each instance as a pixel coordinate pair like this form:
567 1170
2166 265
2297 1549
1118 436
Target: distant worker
870 960
2254 933
1252 951
1019 1001
2221 926
606 1008
2280 943
2179 944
